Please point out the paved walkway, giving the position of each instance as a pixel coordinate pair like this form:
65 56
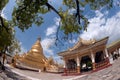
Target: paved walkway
9 75
41 75
110 73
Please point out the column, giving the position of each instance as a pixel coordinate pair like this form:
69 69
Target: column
119 52
93 60
65 70
114 53
111 58
107 56
64 64
106 53
78 65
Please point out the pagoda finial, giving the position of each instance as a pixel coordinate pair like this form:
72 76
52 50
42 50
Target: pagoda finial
39 38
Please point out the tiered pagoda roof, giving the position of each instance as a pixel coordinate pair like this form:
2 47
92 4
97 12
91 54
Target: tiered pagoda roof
84 45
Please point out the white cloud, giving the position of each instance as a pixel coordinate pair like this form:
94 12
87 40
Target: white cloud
100 27
46 44
49 40
3 14
8 9
71 11
57 21
53 29
58 59
23 50
72 41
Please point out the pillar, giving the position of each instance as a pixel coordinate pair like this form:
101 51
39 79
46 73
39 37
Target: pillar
111 58
106 53
93 60
65 70
114 55
78 65
107 56
119 52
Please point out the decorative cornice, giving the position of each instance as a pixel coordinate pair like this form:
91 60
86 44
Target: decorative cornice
97 43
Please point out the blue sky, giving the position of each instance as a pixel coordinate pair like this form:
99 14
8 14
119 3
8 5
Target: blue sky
102 23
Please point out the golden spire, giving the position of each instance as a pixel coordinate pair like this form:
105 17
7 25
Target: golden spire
39 38
37 48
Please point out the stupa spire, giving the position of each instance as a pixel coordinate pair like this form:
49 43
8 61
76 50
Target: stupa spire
39 38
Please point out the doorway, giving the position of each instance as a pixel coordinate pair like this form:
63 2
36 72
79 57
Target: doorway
71 65
99 57
86 64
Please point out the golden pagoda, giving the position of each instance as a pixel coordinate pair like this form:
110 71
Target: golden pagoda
35 59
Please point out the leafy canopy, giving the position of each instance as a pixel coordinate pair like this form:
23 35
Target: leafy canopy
2 4
8 42
7 38
28 12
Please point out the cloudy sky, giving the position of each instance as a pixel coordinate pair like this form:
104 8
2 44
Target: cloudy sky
102 23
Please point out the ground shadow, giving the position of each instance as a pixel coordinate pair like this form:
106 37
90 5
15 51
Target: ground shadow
13 75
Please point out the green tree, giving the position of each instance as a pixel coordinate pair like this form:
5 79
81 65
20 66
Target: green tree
14 47
8 42
6 36
2 4
28 12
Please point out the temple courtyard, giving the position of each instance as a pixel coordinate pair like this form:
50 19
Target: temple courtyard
110 73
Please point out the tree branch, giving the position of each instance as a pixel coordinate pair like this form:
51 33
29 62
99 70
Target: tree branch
51 7
57 35
78 12
2 23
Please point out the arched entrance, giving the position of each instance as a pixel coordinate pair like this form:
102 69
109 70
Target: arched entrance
86 64
99 57
71 65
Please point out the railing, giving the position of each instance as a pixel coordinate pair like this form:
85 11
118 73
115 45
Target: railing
71 71
102 63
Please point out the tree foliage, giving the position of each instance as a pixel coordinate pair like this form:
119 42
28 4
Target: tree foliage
28 12
2 4
14 47
8 42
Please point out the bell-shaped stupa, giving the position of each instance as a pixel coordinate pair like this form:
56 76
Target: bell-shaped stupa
35 57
